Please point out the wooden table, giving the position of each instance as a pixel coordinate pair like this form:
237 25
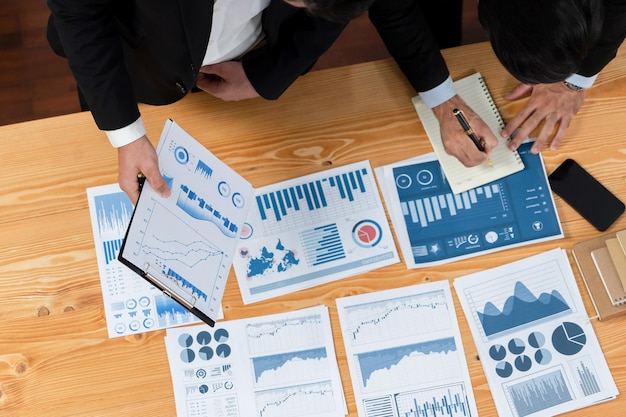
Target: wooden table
55 356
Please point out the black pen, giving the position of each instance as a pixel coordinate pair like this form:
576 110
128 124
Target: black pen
469 131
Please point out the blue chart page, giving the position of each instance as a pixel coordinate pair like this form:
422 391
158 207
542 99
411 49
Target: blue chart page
311 230
280 365
187 241
535 341
405 353
435 226
131 304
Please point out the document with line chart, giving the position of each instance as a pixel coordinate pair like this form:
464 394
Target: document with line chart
436 226
405 353
537 346
281 365
312 230
131 304
184 244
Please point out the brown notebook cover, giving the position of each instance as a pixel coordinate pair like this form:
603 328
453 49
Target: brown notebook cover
591 277
608 273
618 256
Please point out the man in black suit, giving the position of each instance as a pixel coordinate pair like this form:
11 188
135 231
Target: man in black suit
124 52
556 48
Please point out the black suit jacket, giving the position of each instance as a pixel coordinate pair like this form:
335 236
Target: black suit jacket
126 51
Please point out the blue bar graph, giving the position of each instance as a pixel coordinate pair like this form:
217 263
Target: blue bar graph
323 244
314 195
444 401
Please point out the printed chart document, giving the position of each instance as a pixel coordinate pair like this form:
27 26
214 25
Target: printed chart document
436 226
405 353
474 91
312 230
536 344
184 244
131 304
271 366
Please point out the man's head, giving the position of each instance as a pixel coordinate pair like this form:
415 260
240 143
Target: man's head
541 41
336 10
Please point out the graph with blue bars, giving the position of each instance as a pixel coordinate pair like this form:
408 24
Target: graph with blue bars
539 393
441 225
113 215
445 401
308 202
199 208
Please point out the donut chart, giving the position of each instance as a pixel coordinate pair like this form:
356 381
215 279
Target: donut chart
367 233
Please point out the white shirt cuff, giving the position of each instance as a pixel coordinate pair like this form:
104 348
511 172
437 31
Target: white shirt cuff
443 92
581 80
126 135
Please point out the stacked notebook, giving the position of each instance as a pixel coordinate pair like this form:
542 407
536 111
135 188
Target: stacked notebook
602 263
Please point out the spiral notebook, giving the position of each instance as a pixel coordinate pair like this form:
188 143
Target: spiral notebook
474 91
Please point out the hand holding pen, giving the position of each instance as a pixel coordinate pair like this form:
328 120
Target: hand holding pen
479 142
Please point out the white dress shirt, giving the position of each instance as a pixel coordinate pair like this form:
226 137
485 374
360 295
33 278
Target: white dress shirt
235 29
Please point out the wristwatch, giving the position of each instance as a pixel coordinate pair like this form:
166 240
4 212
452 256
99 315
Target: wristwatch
572 87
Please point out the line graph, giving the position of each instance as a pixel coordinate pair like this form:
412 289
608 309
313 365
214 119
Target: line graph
284 335
291 367
308 399
191 253
388 319
436 358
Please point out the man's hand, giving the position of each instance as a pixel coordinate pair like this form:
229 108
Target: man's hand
553 104
227 81
455 140
135 158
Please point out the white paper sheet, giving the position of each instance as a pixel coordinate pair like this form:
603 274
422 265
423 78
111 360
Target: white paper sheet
312 230
131 304
271 366
405 353
537 346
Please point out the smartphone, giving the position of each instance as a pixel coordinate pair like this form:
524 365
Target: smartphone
585 194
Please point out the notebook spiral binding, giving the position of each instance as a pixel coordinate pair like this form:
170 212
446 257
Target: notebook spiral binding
494 108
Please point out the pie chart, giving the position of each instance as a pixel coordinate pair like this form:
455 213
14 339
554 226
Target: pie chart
367 233
504 369
569 338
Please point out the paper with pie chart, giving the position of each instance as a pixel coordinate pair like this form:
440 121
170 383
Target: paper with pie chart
436 226
267 366
536 344
312 230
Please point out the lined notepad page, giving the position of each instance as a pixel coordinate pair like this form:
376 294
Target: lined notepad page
474 91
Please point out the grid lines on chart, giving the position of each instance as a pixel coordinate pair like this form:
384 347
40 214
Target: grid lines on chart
315 200
390 319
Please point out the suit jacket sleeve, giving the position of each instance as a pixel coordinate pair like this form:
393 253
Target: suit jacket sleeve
611 37
294 40
87 37
406 34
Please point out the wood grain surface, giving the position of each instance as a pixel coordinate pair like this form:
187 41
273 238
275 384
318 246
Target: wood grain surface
55 356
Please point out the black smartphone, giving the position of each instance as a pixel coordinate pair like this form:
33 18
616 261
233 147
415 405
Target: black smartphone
585 194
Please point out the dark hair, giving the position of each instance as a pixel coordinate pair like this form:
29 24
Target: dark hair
541 41
341 11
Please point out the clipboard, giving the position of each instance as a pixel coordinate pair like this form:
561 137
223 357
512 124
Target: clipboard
184 244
